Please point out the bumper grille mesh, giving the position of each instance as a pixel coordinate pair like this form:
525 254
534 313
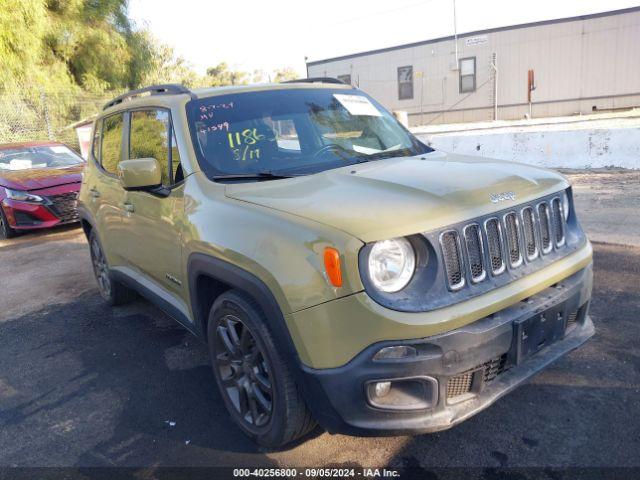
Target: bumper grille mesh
64 206
494 367
459 385
463 382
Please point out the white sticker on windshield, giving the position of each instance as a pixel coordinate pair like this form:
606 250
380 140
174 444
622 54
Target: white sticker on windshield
20 164
358 105
58 149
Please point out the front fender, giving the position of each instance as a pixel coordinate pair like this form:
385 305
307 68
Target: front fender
283 251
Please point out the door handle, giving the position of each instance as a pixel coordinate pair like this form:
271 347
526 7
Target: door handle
128 207
94 193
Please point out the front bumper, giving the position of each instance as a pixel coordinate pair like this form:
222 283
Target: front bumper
59 207
467 369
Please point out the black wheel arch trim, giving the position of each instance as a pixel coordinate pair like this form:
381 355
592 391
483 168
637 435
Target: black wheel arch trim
85 216
200 264
311 389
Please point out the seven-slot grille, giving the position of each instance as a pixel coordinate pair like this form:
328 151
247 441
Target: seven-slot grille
521 233
65 206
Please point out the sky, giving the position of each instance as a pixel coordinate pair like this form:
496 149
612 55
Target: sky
271 34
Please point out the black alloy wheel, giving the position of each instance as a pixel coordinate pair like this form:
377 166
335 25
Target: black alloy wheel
244 372
100 268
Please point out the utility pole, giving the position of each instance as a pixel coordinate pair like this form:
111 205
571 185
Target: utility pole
494 66
421 76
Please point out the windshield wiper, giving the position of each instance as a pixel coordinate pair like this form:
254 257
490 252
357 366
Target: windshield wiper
401 152
263 175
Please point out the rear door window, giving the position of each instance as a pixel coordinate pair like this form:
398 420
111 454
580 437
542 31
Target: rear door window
111 151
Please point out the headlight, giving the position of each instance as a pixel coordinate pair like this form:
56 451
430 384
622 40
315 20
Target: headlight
391 264
23 196
565 205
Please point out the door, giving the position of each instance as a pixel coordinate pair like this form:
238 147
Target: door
152 220
105 193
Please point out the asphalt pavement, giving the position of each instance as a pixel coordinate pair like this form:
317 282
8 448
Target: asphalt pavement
84 385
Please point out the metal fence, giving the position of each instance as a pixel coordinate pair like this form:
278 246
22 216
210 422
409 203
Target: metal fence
34 115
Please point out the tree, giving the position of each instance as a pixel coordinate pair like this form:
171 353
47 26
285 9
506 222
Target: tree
284 74
158 63
222 75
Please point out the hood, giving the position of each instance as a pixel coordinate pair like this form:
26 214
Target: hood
38 178
401 196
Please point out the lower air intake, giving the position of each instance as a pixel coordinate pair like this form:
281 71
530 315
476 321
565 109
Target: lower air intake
463 382
459 385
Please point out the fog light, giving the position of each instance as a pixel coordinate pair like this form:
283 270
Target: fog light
382 388
403 393
398 351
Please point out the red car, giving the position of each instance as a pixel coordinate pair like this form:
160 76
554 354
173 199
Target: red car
39 184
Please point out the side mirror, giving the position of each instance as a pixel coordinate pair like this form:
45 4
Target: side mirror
139 173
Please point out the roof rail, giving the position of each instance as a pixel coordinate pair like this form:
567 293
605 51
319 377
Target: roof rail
169 88
317 80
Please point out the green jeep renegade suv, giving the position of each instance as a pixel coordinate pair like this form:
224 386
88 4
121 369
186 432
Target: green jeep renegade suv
340 271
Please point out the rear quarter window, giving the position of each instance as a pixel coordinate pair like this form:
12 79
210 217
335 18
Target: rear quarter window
97 135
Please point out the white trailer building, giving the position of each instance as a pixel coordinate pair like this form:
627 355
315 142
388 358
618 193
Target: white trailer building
551 68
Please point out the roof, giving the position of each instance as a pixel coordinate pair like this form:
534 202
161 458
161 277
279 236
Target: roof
163 94
45 143
230 89
476 32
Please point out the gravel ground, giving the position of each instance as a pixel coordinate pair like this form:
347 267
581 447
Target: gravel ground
83 385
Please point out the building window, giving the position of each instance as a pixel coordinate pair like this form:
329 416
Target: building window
467 74
345 79
405 83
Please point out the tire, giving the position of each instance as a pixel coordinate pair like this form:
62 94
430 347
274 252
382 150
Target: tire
5 229
112 291
255 382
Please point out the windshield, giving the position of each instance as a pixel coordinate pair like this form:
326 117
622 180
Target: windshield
26 158
294 131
